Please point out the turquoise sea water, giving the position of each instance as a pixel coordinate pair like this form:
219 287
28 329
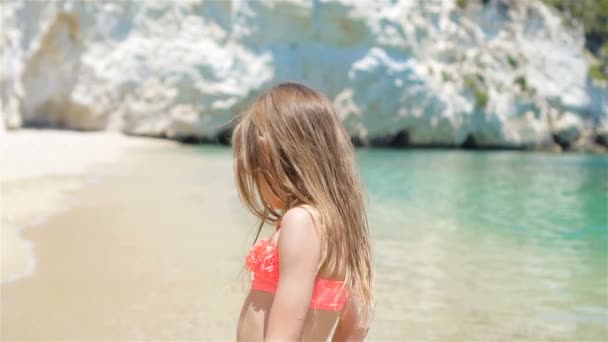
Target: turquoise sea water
531 198
489 245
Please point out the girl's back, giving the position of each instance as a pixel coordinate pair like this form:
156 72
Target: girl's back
294 165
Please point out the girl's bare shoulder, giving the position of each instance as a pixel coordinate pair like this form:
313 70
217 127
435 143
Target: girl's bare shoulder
299 217
298 241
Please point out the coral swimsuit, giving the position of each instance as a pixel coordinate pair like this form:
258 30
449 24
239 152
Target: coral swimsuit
263 262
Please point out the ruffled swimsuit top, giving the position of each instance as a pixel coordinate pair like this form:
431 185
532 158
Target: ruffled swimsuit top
263 262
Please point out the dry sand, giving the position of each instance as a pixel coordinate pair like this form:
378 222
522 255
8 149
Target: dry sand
37 168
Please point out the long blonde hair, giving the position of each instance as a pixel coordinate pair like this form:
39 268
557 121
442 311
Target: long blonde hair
292 140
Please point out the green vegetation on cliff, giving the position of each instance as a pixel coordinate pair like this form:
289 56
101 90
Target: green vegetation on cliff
475 84
593 14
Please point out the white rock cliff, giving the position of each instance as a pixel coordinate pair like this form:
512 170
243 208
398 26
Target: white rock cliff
416 72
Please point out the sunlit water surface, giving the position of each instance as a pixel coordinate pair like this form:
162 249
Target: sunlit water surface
489 245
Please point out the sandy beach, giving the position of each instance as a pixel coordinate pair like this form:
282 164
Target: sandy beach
82 258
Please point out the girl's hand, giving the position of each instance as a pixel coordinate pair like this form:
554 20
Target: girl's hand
300 253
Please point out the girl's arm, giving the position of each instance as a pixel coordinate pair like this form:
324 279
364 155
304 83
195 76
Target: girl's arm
299 251
350 326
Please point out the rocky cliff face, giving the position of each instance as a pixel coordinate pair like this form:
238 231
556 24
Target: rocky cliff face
408 72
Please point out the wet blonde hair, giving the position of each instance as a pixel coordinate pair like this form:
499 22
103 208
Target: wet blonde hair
292 140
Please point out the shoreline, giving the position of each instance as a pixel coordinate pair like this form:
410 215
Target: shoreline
39 169
594 145
587 146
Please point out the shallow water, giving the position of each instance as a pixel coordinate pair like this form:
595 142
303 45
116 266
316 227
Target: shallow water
470 246
489 245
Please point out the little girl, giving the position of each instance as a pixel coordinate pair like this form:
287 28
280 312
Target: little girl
294 167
